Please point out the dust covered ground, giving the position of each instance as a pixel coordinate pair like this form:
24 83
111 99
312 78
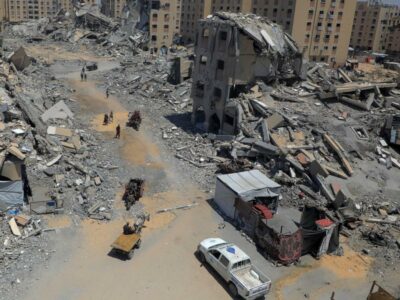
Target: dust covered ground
79 263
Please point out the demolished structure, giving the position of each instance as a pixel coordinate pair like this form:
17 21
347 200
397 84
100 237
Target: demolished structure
233 51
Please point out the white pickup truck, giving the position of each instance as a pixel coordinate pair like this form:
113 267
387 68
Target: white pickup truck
235 268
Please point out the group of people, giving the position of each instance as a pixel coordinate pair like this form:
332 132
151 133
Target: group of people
108 119
83 74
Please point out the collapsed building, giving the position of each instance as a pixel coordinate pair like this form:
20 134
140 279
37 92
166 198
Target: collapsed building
89 16
233 51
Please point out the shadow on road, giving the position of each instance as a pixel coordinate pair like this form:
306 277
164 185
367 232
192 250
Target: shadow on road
216 276
183 121
114 254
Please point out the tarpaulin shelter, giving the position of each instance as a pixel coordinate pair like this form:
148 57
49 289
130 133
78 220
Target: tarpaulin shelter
317 239
280 238
235 190
11 193
14 185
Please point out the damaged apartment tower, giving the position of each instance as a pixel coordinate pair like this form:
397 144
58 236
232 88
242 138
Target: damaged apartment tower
234 51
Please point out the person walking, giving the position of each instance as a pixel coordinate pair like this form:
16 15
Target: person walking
81 76
107 92
118 132
111 117
105 121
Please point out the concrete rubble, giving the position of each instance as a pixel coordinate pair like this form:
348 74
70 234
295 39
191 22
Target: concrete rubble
320 133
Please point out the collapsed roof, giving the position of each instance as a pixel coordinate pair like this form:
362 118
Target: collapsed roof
266 34
90 15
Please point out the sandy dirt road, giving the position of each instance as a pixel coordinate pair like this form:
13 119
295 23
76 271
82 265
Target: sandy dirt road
165 267
82 267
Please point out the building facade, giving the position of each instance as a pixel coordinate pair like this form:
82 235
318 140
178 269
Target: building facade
372 22
21 10
321 28
228 58
393 37
2 14
164 23
113 8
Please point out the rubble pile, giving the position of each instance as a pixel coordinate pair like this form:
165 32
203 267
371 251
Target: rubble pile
133 192
50 163
325 137
134 120
319 137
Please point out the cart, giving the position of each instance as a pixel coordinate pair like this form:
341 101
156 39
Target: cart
126 244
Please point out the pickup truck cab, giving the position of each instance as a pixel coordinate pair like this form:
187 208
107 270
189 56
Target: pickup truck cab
235 267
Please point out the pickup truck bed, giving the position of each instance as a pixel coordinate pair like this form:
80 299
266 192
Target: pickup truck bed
245 278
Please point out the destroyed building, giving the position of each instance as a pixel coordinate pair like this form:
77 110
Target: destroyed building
233 51
89 16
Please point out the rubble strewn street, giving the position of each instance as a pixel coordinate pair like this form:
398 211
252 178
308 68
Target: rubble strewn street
326 140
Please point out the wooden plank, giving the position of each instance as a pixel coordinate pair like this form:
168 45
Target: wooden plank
125 242
14 227
334 145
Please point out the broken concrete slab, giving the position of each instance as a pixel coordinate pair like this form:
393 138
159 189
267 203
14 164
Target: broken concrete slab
97 180
16 152
265 148
339 151
54 160
68 145
59 131
20 59
316 167
265 131
58 111
275 121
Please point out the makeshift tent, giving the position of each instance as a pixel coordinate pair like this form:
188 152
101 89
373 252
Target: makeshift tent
245 186
281 238
317 239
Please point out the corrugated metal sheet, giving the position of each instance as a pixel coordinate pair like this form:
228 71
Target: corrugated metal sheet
250 184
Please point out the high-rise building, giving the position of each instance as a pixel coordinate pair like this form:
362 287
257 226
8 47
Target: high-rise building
21 10
393 37
113 8
2 14
321 28
372 21
164 22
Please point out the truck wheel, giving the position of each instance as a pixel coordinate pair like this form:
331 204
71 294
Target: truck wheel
201 256
139 242
130 254
233 290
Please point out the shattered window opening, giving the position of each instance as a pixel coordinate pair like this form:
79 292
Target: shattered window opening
229 120
220 65
199 89
217 94
223 35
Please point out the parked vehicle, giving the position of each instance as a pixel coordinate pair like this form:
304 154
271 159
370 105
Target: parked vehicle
235 267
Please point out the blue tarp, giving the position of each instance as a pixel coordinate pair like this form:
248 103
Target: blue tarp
11 193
